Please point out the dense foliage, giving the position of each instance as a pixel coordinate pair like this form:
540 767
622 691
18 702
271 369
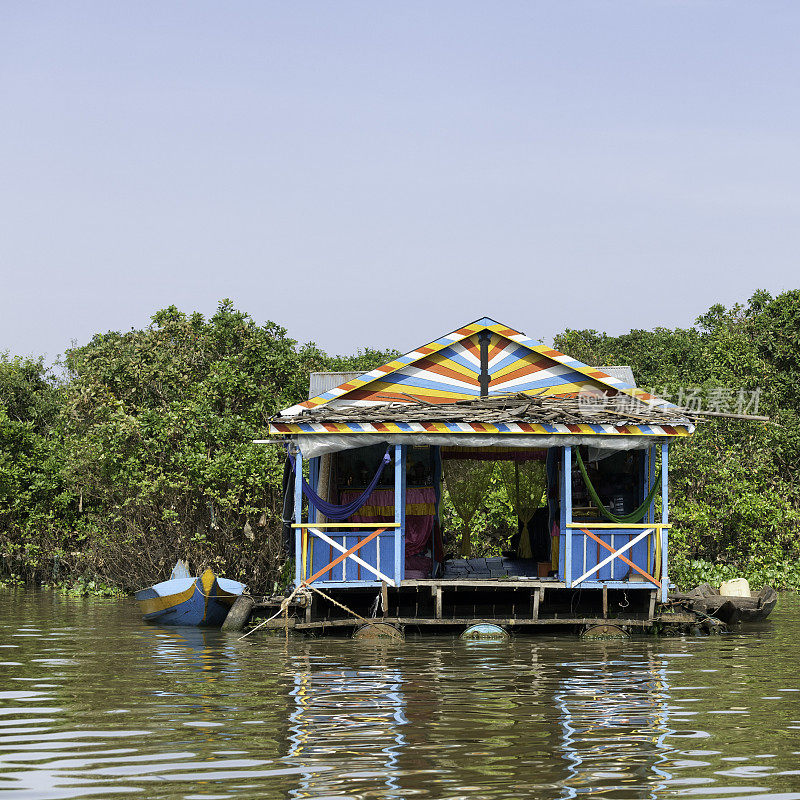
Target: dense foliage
139 449
142 452
735 485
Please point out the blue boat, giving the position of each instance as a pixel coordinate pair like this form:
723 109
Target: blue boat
185 600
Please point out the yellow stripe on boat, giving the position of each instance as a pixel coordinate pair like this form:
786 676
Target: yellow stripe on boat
154 604
207 582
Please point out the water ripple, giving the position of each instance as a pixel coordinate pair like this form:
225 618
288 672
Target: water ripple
106 706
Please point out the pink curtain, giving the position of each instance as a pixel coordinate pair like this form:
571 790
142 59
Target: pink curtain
420 511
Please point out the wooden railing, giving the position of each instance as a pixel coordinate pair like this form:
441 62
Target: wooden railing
655 529
313 529
658 530
310 531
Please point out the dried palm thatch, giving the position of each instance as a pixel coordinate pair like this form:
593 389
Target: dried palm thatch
602 410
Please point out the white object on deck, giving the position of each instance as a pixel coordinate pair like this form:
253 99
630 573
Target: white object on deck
738 587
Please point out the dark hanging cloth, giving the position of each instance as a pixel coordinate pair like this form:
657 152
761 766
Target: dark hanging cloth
286 517
539 535
340 513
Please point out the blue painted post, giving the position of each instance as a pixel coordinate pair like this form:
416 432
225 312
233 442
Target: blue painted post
298 515
566 513
313 479
651 476
664 519
399 510
437 487
401 537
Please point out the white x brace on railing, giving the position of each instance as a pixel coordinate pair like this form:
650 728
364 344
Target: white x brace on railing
616 553
378 574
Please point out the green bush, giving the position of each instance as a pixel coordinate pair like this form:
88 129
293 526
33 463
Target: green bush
734 485
780 574
138 450
142 453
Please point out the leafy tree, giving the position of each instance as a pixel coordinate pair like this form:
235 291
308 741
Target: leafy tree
33 495
146 453
735 485
140 451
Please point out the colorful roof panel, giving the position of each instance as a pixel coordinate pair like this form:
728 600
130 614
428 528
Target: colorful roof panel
448 370
295 428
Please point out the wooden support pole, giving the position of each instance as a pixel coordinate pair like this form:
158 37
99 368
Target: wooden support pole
484 337
605 602
566 513
651 459
313 479
537 595
399 511
651 611
385 599
437 601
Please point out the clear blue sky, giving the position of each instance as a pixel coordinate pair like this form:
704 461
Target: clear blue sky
375 173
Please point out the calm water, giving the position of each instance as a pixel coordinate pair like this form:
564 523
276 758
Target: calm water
95 704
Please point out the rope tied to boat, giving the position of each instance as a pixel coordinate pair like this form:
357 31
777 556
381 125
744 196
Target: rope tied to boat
305 587
283 609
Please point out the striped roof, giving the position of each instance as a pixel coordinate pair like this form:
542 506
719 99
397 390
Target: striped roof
513 428
448 370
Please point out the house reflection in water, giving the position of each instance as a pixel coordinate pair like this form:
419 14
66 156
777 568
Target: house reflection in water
349 717
614 715
503 718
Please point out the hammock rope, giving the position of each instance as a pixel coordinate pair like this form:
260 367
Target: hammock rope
636 515
340 513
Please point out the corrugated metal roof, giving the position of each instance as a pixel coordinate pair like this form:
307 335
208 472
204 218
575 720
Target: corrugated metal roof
623 373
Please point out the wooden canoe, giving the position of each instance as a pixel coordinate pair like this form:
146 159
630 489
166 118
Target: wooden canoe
730 610
202 601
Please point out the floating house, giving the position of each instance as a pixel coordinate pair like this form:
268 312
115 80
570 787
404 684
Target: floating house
582 454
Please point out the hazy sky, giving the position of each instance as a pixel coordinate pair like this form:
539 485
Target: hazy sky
376 173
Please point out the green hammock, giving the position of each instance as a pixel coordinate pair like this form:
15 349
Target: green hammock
634 516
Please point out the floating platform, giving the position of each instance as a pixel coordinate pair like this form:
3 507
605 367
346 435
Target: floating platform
449 606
